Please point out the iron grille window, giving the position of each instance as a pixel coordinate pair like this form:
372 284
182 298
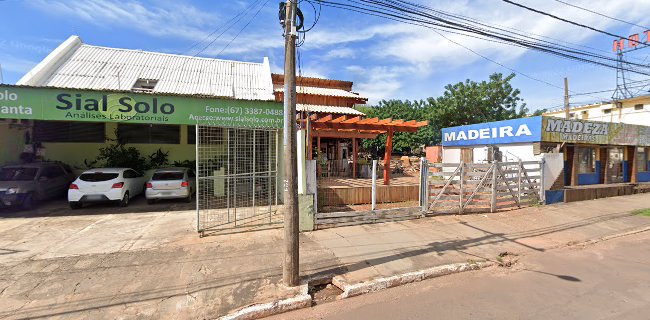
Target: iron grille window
63 131
149 133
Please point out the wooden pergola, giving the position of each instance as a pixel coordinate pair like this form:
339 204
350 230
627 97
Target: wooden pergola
348 127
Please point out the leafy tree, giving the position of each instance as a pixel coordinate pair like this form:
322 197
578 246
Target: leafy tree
539 112
462 103
402 141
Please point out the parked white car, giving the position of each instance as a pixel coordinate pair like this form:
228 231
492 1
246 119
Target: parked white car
171 183
106 184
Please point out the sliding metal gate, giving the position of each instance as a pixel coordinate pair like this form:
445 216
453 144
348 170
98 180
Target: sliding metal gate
236 177
481 187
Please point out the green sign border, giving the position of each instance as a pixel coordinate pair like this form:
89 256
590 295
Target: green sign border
39 103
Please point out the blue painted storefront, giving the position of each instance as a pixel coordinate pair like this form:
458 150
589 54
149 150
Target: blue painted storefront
530 130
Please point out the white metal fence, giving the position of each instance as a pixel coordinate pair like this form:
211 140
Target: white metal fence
237 175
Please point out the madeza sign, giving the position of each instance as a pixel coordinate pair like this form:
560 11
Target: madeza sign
500 132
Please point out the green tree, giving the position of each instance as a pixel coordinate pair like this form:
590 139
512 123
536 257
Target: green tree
462 103
402 141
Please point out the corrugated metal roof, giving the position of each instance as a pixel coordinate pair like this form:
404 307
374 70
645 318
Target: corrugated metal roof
101 68
328 109
322 92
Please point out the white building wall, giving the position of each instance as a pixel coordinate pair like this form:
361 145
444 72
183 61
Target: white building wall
510 152
450 155
515 152
632 111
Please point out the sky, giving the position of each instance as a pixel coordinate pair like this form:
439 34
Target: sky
385 59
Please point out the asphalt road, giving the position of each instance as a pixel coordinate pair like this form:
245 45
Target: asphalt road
608 280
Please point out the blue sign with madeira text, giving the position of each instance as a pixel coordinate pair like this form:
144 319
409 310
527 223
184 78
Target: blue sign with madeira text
499 132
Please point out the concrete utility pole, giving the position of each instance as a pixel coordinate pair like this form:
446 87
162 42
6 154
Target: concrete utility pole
290 269
566 98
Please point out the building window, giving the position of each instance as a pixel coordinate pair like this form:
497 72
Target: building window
149 133
638 107
191 135
144 85
586 158
641 159
607 111
63 131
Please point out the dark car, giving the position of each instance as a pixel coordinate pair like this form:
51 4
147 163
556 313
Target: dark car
26 184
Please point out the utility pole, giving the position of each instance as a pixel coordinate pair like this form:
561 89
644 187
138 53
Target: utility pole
566 98
290 268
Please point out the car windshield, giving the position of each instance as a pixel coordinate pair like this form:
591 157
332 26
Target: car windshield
168 176
98 176
18 174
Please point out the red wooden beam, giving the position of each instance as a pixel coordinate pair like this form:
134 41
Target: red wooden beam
387 155
355 151
324 119
353 120
368 121
339 119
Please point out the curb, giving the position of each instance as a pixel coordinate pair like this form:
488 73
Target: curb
256 311
351 290
304 300
610 237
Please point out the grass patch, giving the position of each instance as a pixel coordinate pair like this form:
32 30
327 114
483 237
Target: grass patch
642 212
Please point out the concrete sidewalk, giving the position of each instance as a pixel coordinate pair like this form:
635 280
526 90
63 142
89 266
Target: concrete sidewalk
382 250
154 265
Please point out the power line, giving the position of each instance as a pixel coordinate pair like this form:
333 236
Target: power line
603 15
238 17
566 20
244 27
395 10
401 18
219 28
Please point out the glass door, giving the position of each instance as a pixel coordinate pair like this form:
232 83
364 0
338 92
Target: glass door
615 165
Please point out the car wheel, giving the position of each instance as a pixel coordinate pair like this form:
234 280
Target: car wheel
125 200
189 198
28 202
151 201
74 205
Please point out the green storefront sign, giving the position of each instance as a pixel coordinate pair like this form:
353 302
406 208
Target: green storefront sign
96 106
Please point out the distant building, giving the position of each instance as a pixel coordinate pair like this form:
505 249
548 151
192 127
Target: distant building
632 111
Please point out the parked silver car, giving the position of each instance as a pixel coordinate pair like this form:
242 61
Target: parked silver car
25 184
171 183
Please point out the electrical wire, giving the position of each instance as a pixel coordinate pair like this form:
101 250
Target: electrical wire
219 28
566 20
239 17
388 9
603 15
397 18
242 29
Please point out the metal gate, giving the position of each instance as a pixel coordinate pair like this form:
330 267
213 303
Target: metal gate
481 187
237 174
